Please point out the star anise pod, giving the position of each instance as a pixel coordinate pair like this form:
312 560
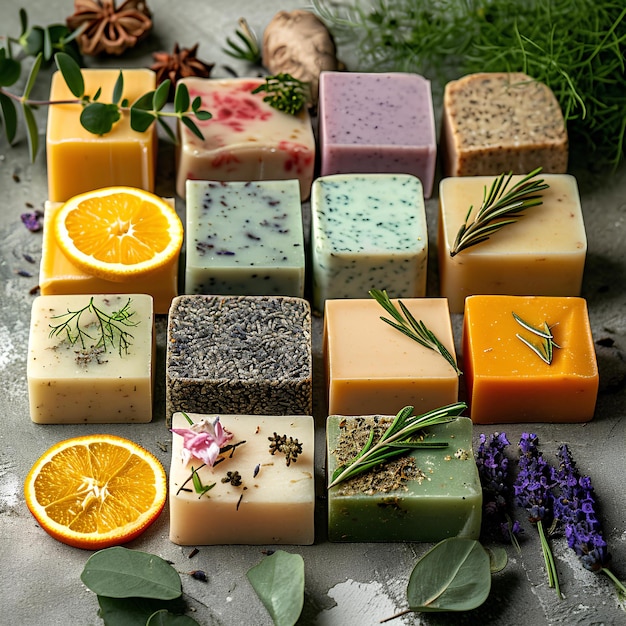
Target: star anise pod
182 62
107 28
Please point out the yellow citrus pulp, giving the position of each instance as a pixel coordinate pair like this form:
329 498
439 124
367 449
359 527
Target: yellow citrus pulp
96 491
118 232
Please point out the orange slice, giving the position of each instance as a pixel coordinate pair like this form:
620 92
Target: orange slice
96 491
118 232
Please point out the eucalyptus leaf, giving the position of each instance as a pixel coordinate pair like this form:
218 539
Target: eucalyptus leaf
71 73
32 76
159 100
31 131
279 582
166 127
135 611
144 102
181 98
47 45
10 70
497 558
190 124
23 21
118 88
454 575
33 41
9 114
165 618
140 120
98 118
122 573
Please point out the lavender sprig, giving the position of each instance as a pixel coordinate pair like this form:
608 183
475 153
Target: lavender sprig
493 470
575 510
533 491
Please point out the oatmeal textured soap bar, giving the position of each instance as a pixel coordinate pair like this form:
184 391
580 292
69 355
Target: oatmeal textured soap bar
248 355
508 382
374 368
73 381
80 161
543 253
246 139
377 123
427 495
368 230
244 238
273 504
499 122
59 276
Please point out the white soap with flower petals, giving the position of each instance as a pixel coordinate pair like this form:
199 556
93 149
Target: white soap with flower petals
255 497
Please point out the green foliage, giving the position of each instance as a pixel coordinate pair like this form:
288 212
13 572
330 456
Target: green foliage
279 582
249 49
285 93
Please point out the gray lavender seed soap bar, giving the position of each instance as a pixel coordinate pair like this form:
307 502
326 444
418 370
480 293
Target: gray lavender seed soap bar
427 495
368 231
244 238
247 355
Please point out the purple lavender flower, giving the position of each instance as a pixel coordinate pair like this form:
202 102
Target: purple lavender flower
32 220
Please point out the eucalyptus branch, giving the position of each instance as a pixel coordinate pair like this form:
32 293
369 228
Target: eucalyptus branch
412 328
397 440
499 208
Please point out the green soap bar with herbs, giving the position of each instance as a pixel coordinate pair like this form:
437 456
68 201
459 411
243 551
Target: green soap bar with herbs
426 495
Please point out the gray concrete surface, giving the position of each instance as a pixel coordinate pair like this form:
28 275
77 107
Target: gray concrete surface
345 583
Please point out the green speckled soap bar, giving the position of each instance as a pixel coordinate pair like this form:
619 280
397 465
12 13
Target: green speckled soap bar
428 495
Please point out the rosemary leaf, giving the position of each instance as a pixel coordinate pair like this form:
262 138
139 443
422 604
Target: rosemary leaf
545 350
285 93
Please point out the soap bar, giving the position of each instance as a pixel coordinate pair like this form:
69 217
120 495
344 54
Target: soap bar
368 231
244 238
74 377
374 368
507 381
79 161
377 122
246 139
248 355
427 495
543 253
59 276
274 504
498 122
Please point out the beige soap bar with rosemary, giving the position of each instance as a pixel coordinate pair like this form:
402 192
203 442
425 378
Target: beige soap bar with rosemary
496 122
543 253
273 504
91 359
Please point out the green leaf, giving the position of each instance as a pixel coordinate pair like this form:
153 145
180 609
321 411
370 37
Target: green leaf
118 89
452 576
71 73
279 582
9 113
159 100
23 21
47 45
181 98
134 611
33 41
497 558
165 618
140 120
98 118
31 131
32 77
122 573
190 124
10 70
166 127
144 102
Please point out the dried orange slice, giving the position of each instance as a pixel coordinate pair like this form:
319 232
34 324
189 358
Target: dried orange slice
118 232
96 491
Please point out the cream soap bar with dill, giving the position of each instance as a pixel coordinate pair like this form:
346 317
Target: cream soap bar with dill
543 253
80 161
377 122
247 355
501 122
427 495
368 231
507 381
374 368
245 139
81 372
269 503
59 276
244 238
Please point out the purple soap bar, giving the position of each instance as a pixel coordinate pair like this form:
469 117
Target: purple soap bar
377 123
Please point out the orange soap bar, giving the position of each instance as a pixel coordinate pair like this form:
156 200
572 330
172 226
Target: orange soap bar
372 368
59 276
80 161
507 381
542 254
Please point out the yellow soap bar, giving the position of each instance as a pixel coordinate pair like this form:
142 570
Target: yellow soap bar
80 161
78 374
374 368
542 254
59 276
273 503
507 381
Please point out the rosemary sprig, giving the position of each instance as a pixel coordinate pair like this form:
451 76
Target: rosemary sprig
499 208
544 350
251 50
412 328
110 327
397 440
285 93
